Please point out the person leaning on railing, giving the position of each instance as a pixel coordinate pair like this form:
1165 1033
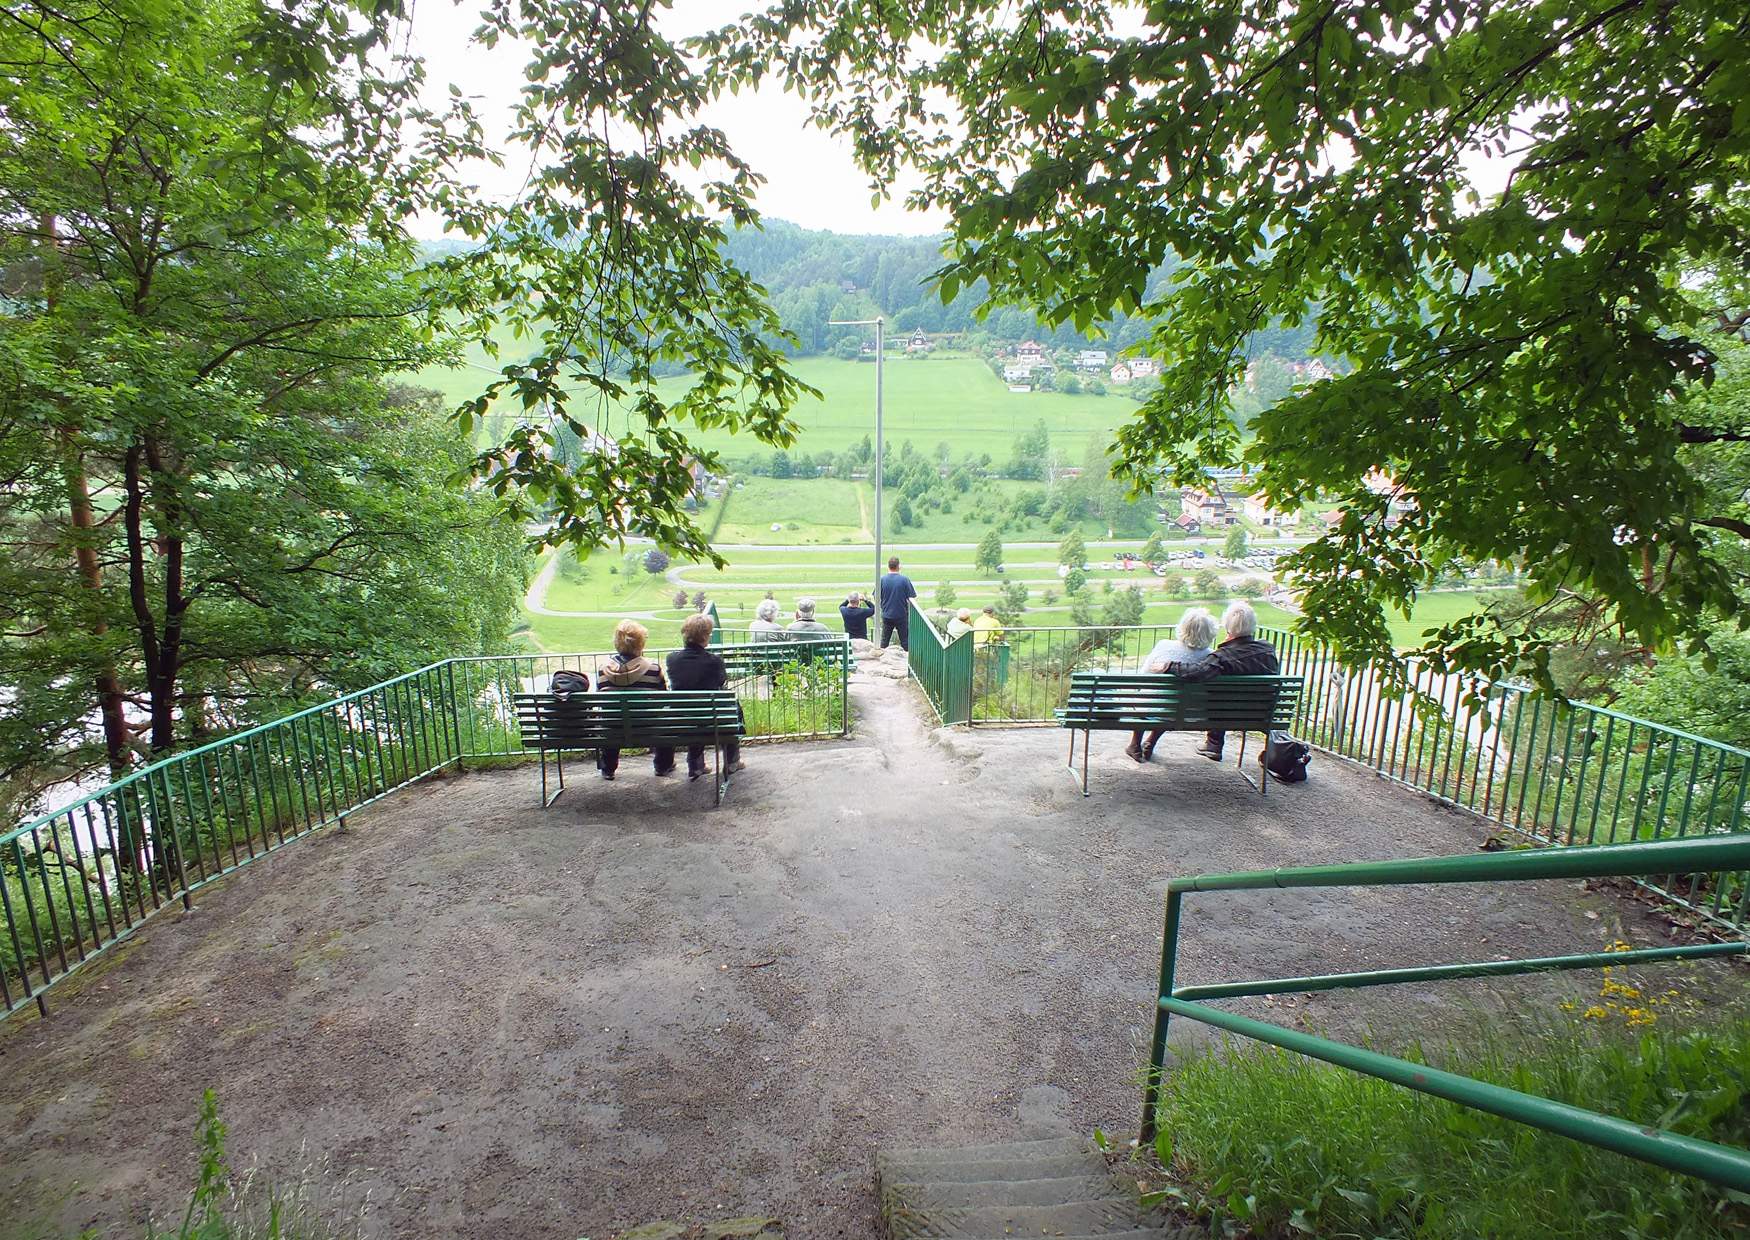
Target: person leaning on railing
629 671
1190 644
1242 654
693 666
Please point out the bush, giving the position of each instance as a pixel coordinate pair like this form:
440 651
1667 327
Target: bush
655 561
1280 1144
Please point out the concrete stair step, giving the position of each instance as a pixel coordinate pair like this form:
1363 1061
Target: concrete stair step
1097 1217
1052 1147
938 1195
976 1172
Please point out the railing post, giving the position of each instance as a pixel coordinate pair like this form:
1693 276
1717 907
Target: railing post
455 710
1157 1054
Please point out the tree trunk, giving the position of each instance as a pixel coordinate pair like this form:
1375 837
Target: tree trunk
82 521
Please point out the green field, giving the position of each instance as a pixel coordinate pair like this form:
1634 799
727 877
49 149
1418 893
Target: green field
941 399
609 585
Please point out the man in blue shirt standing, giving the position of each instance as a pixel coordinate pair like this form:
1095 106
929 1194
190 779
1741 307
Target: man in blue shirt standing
896 591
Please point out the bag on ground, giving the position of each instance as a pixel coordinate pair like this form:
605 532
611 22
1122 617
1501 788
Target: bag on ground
1286 758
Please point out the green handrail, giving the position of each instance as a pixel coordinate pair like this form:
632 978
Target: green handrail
79 880
1717 1163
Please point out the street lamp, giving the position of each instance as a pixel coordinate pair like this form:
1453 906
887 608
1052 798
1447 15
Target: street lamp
880 441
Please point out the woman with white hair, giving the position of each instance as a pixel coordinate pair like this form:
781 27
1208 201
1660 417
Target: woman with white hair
765 626
961 623
1242 654
1190 644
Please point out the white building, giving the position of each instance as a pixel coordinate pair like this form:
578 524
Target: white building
1091 359
1144 367
1259 512
1120 373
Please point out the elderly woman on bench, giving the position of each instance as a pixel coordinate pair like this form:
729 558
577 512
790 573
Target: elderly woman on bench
1191 644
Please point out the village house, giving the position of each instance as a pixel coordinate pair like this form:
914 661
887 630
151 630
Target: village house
1259 512
1144 368
1030 353
1209 508
1013 372
1091 359
1120 373
919 343
1188 521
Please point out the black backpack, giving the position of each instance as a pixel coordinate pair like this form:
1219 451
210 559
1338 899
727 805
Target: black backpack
1286 758
568 684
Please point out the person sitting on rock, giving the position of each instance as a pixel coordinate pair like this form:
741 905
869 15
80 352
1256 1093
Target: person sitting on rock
961 623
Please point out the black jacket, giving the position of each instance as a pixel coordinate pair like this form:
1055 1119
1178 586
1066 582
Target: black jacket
1237 656
856 619
693 668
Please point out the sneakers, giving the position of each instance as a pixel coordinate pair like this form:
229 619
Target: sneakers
733 767
1212 752
608 775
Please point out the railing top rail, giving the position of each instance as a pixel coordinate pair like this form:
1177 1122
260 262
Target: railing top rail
1704 855
829 640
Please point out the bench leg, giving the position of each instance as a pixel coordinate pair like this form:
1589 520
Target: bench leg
717 780
1263 771
1086 737
559 766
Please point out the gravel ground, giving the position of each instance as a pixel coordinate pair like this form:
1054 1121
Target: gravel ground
499 1021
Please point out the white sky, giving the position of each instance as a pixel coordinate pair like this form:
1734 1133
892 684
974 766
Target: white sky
811 178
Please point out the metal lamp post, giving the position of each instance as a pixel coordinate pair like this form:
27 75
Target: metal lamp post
880 438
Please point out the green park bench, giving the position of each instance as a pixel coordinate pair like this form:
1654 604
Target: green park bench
627 720
1133 701
764 658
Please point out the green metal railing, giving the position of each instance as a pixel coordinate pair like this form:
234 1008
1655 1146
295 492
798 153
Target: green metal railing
1717 1163
75 882
1549 772
942 667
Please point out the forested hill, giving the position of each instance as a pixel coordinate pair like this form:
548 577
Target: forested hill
815 276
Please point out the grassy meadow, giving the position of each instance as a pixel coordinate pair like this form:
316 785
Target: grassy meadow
952 399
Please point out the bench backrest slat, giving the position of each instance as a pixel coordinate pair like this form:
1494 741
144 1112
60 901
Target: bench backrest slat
629 719
1116 698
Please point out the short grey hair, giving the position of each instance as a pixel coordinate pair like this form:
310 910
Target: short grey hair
1240 620
805 609
1196 629
767 610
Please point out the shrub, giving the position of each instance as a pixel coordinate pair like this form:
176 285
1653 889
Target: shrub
656 561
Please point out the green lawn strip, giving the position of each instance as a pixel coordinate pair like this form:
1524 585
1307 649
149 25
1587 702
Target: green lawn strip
1272 1143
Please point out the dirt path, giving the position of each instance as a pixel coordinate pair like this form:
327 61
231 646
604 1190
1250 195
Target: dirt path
504 1022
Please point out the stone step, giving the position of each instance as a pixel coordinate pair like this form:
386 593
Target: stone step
949 1196
1099 1217
1052 1147
1011 1169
